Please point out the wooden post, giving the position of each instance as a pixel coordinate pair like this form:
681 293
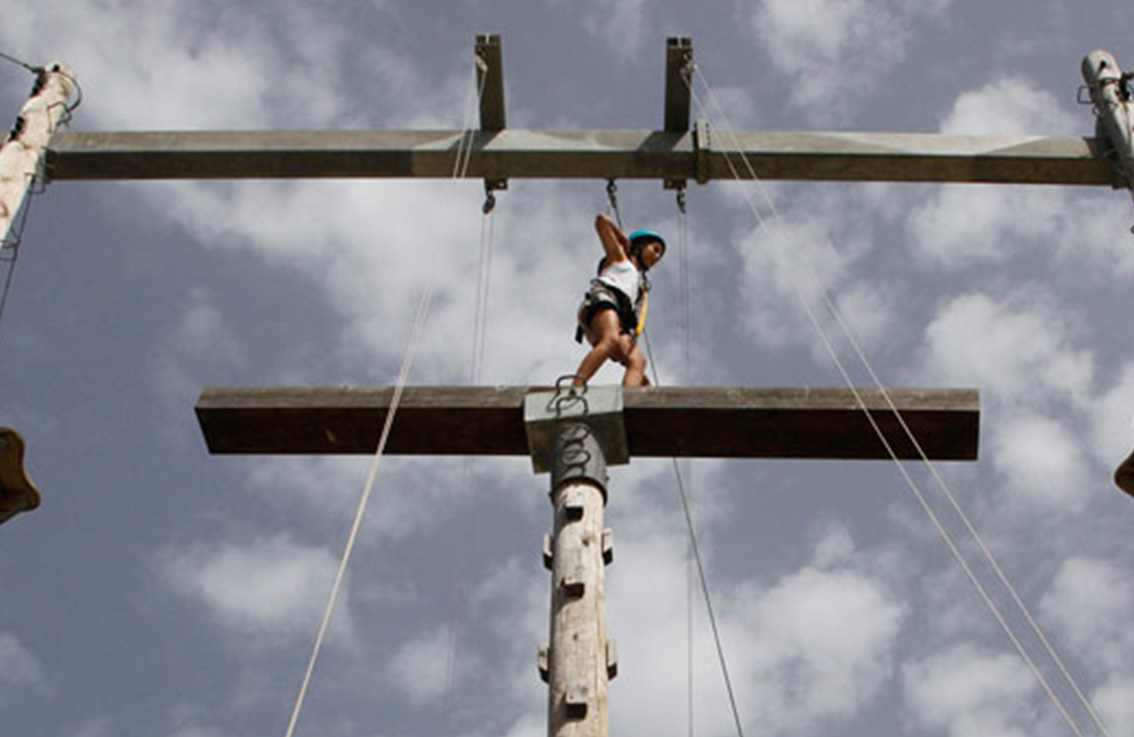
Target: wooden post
21 154
579 663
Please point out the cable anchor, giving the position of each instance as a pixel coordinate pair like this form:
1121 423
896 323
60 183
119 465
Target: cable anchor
612 198
489 199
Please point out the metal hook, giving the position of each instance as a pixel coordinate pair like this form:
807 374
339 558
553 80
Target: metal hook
489 201
681 200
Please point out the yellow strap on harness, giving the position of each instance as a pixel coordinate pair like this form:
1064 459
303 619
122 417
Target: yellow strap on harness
642 315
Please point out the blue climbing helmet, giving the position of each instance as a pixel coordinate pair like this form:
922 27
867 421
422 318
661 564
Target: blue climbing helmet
640 238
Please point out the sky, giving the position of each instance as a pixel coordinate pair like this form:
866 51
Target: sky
165 592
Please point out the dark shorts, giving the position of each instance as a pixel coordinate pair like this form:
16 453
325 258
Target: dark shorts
601 296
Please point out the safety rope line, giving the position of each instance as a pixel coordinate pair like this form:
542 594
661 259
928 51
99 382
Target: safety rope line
693 547
690 567
395 401
971 528
911 484
20 62
476 369
459 171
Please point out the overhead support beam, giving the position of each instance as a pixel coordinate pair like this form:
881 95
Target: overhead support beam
600 154
719 422
678 91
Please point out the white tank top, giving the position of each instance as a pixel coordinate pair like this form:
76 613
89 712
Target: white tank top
623 276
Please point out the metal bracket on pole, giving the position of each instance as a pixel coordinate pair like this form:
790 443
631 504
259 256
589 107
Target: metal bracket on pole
1111 95
678 81
490 84
596 408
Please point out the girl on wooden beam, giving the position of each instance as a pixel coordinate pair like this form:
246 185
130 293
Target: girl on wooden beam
613 312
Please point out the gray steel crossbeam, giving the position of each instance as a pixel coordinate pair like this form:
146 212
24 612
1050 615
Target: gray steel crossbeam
598 154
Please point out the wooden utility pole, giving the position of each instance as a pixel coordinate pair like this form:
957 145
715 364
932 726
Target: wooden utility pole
22 153
21 159
573 433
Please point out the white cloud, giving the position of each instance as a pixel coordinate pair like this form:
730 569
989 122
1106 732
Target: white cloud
204 332
270 586
837 50
418 668
19 667
1114 419
825 643
962 225
1042 461
1010 106
1091 601
1018 349
970 224
622 24
970 692
1114 701
817 644
785 263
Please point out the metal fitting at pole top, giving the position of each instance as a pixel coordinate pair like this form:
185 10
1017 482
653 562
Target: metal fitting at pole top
577 455
598 408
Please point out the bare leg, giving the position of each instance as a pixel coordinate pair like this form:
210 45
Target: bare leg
605 335
635 364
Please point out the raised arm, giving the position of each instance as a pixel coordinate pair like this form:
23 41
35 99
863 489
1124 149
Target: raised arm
614 241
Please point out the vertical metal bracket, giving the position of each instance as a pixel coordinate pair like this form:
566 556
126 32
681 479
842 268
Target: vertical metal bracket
607 546
678 81
1115 110
490 84
611 659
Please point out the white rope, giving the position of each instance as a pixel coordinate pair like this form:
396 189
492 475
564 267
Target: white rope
695 550
911 484
480 329
476 365
460 169
407 363
690 562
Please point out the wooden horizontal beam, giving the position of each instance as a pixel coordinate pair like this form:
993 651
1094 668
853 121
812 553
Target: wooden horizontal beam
599 154
717 422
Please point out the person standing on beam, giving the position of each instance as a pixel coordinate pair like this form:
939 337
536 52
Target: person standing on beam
613 312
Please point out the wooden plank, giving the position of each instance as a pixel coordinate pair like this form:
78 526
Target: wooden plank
599 154
720 422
